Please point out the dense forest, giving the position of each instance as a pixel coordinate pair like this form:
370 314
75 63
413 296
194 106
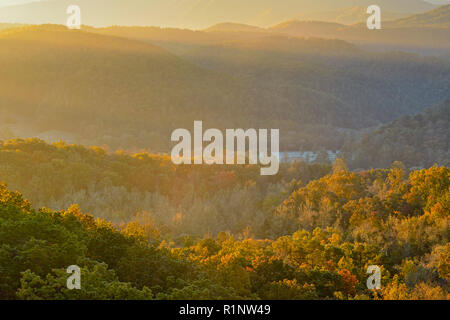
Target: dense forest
122 89
316 239
117 186
418 141
136 93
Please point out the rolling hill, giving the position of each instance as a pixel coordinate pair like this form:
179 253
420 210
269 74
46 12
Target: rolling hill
428 23
105 87
233 27
379 86
307 28
438 18
4 26
124 93
418 141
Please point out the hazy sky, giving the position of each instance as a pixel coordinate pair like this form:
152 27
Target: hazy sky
12 2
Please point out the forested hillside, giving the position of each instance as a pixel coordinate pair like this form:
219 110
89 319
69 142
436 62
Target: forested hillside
418 141
118 186
113 91
127 94
379 86
321 239
123 93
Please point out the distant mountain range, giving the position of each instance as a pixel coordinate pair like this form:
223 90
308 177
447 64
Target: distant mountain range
438 18
427 32
348 16
409 25
199 14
